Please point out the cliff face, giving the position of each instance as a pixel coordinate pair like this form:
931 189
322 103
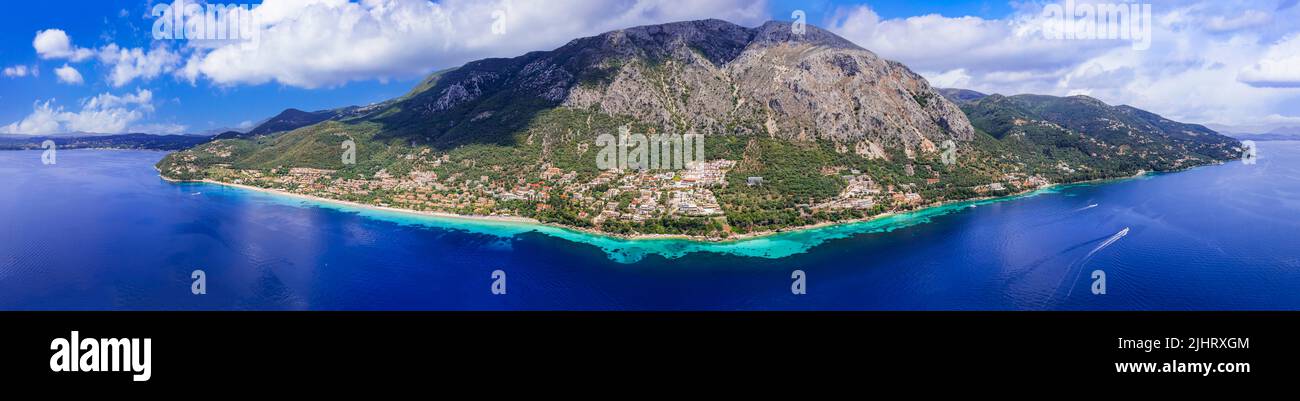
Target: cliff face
709 77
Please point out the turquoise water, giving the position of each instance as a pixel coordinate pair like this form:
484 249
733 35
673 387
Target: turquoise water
622 250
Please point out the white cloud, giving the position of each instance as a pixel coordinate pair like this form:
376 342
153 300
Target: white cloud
1209 62
160 128
55 44
1247 19
130 64
68 75
19 71
43 120
324 43
104 113
142 98
1279 67
125 65
957 78
937 43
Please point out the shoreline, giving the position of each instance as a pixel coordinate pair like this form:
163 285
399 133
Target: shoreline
652 237
499 219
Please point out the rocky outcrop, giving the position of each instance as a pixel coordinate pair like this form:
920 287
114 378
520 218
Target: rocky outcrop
715 77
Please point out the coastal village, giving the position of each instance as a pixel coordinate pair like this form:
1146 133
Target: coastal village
633 196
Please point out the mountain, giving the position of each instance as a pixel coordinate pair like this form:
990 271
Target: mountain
232 134
1276 134
1292 131
102 141
213 132
1260 133
1000 115
961 96
827 131
698 76
1268 137
75 134
1086 130
288 120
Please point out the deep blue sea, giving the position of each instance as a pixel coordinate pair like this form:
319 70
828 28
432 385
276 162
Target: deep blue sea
100 230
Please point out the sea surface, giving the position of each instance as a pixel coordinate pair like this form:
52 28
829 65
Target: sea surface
101 230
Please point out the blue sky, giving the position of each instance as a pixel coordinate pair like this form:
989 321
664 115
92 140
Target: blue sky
95 65
195 107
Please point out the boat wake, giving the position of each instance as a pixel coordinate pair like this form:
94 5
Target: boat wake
1084 261
1063 216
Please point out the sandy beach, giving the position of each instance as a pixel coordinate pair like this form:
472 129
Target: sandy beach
510 219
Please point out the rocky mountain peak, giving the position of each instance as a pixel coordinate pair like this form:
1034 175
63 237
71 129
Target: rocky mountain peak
774 32
707 76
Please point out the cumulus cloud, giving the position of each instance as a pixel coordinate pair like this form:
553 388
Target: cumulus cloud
1247 19
1208 62
1278 68
142 98
957 78
55 44
104 113
325 43
19 71
126 65
160 128
937 43
68 75
315 43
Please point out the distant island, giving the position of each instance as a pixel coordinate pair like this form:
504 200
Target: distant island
1269 136
797 128
90 141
